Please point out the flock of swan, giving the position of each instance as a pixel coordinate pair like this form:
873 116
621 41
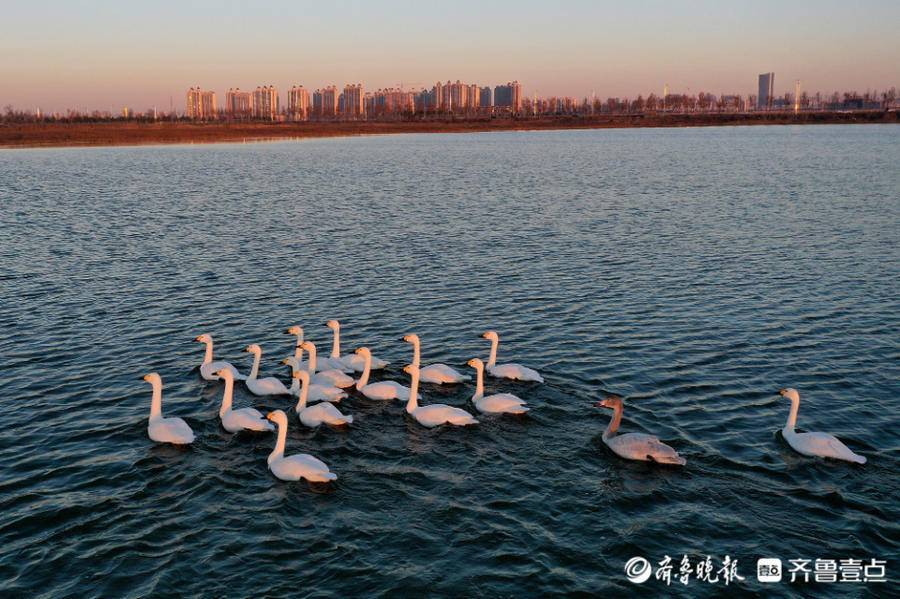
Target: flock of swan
325 381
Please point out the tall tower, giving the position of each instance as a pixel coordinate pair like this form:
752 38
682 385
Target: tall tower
796 96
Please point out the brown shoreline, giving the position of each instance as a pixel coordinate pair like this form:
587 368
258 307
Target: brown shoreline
116 133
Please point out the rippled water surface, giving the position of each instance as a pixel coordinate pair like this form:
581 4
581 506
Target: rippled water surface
695 272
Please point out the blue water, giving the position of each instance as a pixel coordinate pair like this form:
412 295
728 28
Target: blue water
693 271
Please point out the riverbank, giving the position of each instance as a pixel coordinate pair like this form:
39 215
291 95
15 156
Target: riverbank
116 133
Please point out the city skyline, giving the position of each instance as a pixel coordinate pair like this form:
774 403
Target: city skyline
145 56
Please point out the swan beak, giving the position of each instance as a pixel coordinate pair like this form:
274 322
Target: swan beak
782 392
288 332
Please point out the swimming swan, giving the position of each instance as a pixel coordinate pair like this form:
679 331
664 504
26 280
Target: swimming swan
165 430
635 446
209 367
267 386
517 372
501 403
235 421
434 373
333 377
321 413
296 466
434 414
352 361
324 363
381 389
316 392
814 444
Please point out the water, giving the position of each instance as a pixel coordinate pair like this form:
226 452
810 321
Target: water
694 272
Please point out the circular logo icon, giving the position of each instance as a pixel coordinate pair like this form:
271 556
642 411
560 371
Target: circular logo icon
638 570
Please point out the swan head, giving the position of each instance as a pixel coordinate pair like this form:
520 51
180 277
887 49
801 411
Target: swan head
308 346
302 376
152 378
204 338
410 369
278 417
611 401
333 324
790 393
492 335
291 361
411 338
295 330
253 348
363 351
224 374
476 363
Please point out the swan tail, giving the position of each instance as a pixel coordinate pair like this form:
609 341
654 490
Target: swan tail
348 419
324 477
518 410
676 459
857 459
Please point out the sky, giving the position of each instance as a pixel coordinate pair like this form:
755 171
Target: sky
105 55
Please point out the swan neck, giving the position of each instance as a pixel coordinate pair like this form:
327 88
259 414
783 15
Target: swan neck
156 402
364 379
298 351
614 422
255 370
495 343
413 404
304 395
278 452
416 353
792 417
311 363
208 357
227 397
479 382
336 344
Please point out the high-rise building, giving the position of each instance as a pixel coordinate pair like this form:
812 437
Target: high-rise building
298 103
766 91
354 104
487 97
325 102
238 104
265 103
509 96
201 104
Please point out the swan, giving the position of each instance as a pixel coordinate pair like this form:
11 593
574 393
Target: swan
209 366
352 361
235 421
267 386
296 466
316 392
381 389
635 446
165 430
321 413
501 403
517 372
814 444
324 363
434 414
434 373
333 377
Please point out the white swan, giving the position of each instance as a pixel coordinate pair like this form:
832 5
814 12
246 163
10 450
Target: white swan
353 361
235 421
517 372
296 466
501 403
434 414
324 363
635 446
165 430
814 444
333 377
316 392
321 413
209 366
434 373
267 386
381 389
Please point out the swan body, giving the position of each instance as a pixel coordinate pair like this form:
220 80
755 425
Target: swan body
333 377
501 403
435 414
209 367
352 361
635 446
266 386
165 430
324 363
321 413
317 392
297 466
820 445
235 421
434 373
516 372
383 390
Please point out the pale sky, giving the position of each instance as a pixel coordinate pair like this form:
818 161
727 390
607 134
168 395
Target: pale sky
108 54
